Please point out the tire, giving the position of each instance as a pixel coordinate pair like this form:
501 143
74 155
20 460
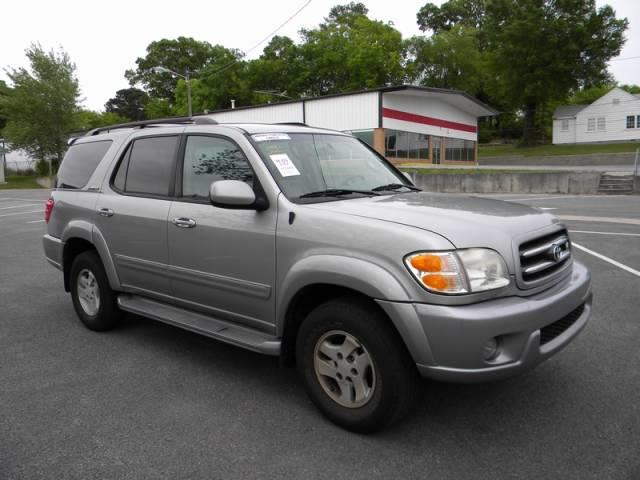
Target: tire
93 300
355 366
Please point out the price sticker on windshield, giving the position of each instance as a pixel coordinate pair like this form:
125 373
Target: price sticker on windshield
284 165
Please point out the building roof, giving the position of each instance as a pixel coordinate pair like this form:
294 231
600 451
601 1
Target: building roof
568 111
458 97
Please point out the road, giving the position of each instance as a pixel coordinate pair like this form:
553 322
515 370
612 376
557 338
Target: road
151 401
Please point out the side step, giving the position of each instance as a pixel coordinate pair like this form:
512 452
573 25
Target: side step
202 324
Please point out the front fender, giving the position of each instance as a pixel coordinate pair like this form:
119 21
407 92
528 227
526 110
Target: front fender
356 274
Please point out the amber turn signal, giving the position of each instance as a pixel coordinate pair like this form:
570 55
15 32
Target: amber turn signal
427 263
438 282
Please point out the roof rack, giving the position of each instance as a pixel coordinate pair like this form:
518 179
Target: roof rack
300 124
156 121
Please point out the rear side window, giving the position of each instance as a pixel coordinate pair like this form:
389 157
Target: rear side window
80 162
148 166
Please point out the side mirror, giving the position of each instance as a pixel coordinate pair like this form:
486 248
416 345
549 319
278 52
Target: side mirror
232 194
408 176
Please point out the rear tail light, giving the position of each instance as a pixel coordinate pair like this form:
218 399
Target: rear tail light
48 209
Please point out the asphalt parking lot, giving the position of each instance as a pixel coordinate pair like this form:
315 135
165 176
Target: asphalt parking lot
152 401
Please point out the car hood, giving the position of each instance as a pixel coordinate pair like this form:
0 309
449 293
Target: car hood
465 221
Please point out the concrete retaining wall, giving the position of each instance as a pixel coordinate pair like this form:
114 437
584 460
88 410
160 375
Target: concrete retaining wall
560 160
562 182
45 182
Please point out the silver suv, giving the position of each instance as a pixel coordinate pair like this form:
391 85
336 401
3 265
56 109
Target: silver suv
307 244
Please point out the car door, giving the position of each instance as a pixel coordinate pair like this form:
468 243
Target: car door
132 214
221 261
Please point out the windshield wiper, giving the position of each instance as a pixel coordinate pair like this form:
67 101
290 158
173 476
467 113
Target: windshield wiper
335 192
395 186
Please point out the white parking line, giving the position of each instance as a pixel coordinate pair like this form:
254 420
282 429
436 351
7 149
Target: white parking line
607 259
606 233
35 221
19 206
21 213
547 208
20 199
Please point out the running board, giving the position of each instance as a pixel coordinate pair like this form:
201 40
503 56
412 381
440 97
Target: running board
202 324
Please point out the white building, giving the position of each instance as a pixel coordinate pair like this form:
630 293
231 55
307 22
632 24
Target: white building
614 117
404 123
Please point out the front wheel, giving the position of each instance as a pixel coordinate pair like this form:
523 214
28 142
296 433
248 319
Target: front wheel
93 300
355 366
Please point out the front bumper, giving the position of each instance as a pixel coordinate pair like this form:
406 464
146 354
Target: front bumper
447 342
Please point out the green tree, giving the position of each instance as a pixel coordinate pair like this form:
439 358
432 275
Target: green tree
533 52
469 13
88 119
182 55
223 79
42 107
5 91
128 103
448 59
349 51
542 50
280 69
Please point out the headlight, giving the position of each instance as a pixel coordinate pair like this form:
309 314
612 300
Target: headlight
460 271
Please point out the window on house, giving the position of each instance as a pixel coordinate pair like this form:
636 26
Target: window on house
591 125
601 124
638 121
565 125
399 144
631 121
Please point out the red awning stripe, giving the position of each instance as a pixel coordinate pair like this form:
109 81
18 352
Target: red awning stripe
412 117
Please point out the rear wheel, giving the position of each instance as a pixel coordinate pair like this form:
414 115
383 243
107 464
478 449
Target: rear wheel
355 366
93 300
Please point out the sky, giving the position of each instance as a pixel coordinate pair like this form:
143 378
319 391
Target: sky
105 38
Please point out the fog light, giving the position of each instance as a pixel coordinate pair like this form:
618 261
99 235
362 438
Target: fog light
490 349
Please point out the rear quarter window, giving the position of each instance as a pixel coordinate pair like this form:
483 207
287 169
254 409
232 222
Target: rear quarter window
80 162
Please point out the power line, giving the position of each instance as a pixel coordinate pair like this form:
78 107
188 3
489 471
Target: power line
230 64
279 28
624 58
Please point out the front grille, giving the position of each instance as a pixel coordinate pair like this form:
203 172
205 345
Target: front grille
550 332
543 256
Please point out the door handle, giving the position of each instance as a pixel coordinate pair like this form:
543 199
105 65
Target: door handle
184 222
105 212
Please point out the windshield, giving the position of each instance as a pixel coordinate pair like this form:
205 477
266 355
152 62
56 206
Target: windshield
320 167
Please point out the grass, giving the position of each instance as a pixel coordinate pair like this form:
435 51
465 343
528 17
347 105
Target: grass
466 171
550 150
19 181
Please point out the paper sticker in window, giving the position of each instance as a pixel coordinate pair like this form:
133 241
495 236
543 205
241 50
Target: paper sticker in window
267 137
284 165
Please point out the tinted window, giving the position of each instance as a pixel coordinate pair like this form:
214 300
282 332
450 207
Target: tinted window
80 162
149 166
208 159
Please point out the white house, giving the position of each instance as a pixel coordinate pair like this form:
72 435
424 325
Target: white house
614 117
404 123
